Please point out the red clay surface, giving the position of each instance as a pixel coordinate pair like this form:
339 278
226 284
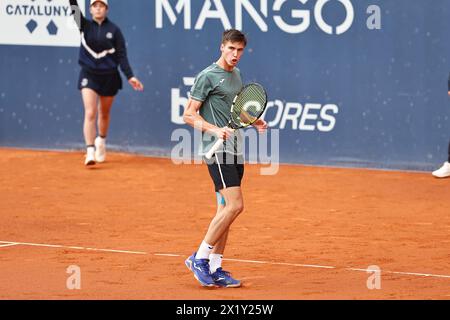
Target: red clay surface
299 222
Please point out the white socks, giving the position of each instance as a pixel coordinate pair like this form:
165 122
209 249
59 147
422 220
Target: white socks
101 139
215 261
204 251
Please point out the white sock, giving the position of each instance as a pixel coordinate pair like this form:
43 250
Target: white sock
215 261
90 150
204 250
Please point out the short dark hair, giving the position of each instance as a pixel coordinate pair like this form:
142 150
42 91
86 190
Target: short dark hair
234 35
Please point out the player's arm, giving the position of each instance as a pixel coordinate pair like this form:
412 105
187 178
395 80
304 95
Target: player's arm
195 120
77 14
121 51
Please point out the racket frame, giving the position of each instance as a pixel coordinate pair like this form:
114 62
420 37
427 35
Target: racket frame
231 123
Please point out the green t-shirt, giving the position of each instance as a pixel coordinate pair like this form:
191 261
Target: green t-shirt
216 88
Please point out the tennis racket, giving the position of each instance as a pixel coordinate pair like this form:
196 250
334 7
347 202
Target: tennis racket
247 107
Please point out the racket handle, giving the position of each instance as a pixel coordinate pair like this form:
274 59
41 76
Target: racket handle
214 148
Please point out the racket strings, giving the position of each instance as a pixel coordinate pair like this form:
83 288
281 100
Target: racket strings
249 105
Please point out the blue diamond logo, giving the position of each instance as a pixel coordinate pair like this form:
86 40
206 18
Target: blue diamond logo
52 28
31 25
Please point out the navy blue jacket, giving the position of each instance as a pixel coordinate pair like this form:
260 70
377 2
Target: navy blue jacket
102 47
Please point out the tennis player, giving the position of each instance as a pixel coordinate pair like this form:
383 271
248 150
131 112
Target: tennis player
212 95
444 171
102 50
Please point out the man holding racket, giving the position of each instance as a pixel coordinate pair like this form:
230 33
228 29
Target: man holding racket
212 95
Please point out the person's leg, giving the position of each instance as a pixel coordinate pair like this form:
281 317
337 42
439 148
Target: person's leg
216 256
227 178
104 115
90 98
104 118
229 184
221 277
221 222
219 247
229 175
199 262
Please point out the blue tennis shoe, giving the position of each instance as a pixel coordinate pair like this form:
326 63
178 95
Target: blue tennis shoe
223 278
200 268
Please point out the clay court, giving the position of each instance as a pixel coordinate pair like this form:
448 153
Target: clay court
306 233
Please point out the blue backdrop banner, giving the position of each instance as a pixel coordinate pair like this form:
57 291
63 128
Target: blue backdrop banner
350 82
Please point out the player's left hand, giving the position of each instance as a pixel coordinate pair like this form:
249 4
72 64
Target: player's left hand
136 84
260 125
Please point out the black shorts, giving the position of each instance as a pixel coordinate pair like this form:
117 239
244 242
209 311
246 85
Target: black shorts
226 170
106 85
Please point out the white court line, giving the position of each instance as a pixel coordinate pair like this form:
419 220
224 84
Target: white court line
323 267
282 264
348 269
10 243
71 247
420 274
402 273
166 255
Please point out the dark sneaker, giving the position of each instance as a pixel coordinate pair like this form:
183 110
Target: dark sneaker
200 268
223 278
